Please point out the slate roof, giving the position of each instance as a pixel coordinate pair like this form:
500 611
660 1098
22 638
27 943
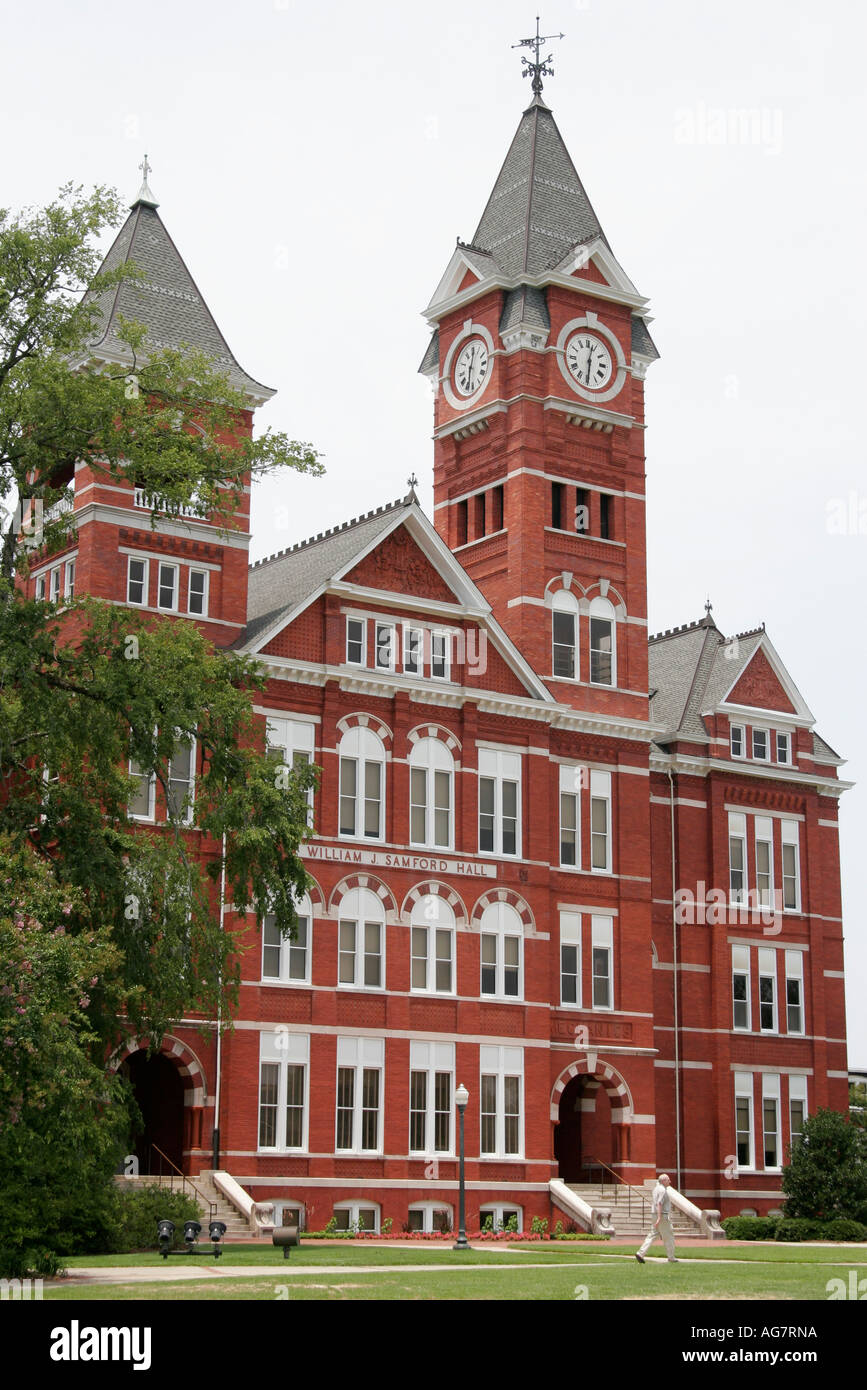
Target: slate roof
526 304
538 210
642 343
167 300
431 357
280 583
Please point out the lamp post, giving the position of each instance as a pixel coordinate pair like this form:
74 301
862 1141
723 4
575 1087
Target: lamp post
462 1095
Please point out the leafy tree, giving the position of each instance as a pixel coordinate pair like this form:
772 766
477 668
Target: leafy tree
858 1103
826 1176
133 910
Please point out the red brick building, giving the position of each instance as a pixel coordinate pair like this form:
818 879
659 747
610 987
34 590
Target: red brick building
590 874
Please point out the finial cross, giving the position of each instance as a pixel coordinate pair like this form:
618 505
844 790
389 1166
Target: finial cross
539 69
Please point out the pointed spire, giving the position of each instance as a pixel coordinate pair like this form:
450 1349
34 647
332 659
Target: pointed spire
144 194
412 484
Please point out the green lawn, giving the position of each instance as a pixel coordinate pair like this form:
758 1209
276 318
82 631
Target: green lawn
728 1272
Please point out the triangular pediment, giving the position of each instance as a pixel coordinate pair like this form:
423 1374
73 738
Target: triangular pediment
596 263
763 683
466 269
398 565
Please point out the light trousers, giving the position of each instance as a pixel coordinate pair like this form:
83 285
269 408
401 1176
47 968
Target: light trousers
665 1233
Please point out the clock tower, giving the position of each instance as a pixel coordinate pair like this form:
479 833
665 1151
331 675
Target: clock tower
538 355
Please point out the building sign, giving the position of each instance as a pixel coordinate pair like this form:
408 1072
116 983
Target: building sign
395 859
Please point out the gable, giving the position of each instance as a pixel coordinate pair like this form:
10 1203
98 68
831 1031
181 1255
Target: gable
590 271
468 280
304 638
399 566
759 687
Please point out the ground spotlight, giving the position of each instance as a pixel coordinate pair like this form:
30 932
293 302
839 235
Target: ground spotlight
192 1231
216 1231
166 1230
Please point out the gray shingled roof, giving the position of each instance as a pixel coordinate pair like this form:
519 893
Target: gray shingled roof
526 304
642 343
167 300
538 210
279 584
431 357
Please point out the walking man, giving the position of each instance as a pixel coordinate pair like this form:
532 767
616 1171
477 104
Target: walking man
661 1210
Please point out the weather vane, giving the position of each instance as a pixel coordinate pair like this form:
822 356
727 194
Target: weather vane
537 68
145 168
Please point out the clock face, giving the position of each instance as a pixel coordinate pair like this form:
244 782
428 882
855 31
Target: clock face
589 360
471 367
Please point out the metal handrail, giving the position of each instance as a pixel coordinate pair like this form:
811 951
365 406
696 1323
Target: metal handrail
639 1193
185 1181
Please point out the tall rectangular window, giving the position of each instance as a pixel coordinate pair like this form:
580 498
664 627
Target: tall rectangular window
603 962
40 588
141 802
744 1119
600 822
767 990
413 651
360 954
167 593
791 866
501 1101
356 641
137 581
360 1064
557 505
283 1067
439 656
570 815
564 641
736 740
737 857
601 651
784 748
760 745
431 1088
741 987
570 958
55 584
197 596
771 1119
497 508
69 580
463 521
384 647
286 958
182 780
794 991
605 516
764 828
582 511
499 802
797 1107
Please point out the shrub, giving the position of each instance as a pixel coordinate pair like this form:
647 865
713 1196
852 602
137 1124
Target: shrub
137 1211
799 1228
539 1226
751 1227
842 1229
826 1176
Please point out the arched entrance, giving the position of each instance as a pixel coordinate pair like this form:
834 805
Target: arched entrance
591 1107
159 1093
584 1134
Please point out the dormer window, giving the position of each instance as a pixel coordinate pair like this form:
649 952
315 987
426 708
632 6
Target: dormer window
736 737
356 641
384 647
784 748
760 745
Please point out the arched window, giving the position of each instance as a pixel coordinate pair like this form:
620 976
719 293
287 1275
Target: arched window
502 939
603 643
362 785
431 794
361 940
564 635
284 958
432 936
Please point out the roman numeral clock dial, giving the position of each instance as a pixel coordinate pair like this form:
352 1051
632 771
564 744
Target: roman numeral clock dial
589 360
471 367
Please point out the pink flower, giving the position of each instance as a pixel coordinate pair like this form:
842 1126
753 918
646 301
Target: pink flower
59 931
66 909
84 1001
94 979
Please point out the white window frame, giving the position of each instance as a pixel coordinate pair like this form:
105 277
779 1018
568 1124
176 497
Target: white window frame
570 779
284 1050
41 586
295 739
385 637
570 938
790 839
287 946
360 1055
797 1094
69 579
173 606
361 746
600 791
145 581
763 827
738 831
432 1059
497 1210
784 740
500 768
500 922
794 962
766 734
602 610
360 908
742 739
565 604
54 590
189 783
205 591
744 1091
435 917
500 1063
135 771
741 966
362 623
441 653
428 1210
409 633
768 971
602 939
353 1209
431 758
771 1093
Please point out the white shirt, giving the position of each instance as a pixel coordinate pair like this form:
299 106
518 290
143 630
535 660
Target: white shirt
661 1201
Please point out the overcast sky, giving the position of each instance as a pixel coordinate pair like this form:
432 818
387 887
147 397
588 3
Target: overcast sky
315 162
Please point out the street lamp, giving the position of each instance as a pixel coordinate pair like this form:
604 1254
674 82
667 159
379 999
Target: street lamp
462 1095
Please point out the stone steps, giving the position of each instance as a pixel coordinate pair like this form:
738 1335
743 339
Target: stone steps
628 1222
236 1226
